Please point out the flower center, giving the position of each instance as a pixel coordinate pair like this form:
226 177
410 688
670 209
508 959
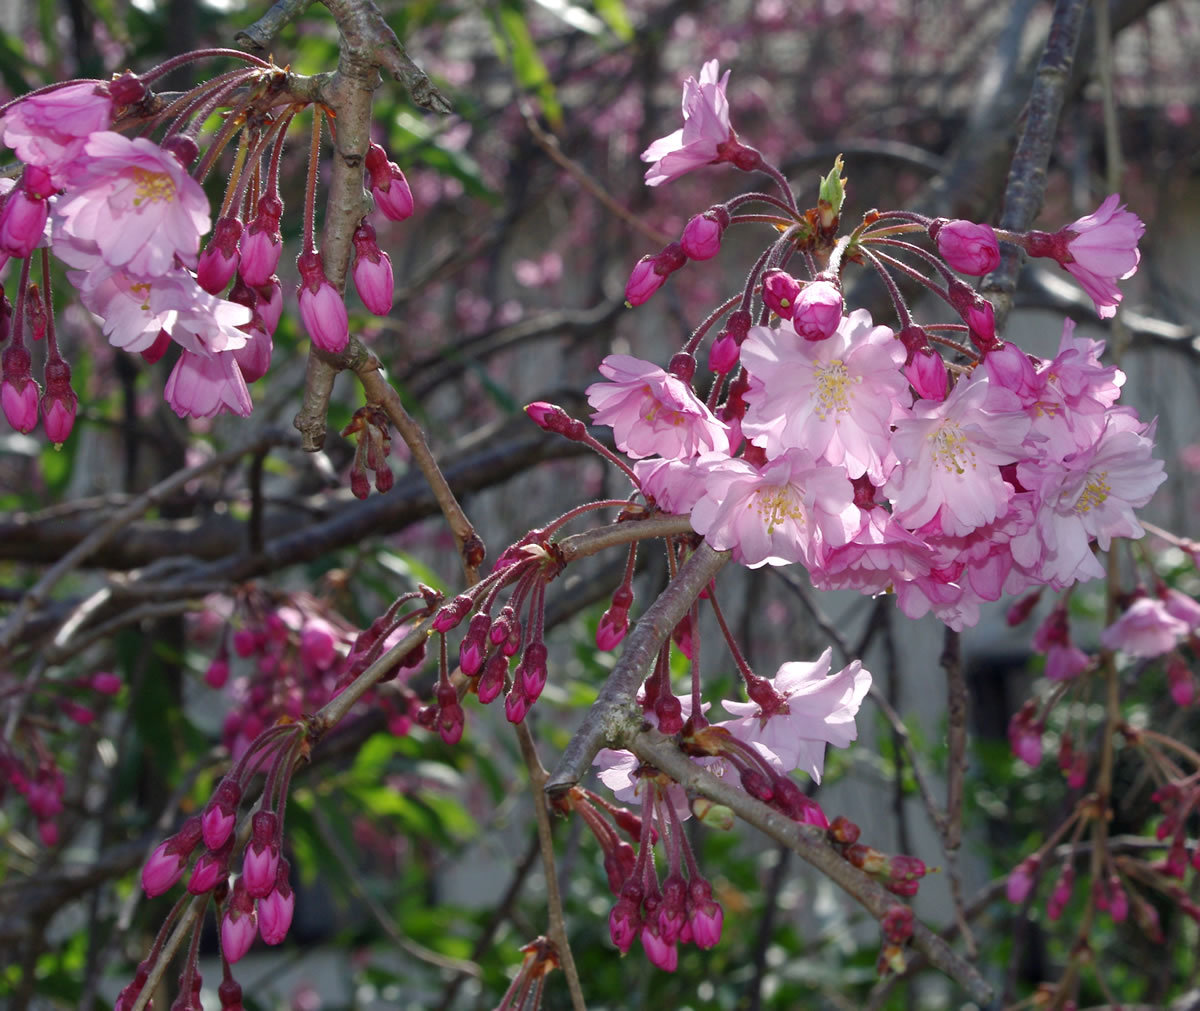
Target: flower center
654 410
832 391
1094 493
141 290
152 187
776 504
951 451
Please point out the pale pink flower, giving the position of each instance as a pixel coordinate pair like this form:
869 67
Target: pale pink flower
1180 605
136 203
652 412
818 709
705 129
786 512
950 457
1103 249
51 129
1146 629
1089 494
133 311
201 387
677 484
836 398
1064 662
882 555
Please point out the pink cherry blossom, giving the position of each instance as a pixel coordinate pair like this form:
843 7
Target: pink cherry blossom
1089 494
136 203
652 412
201 387
837 398
50 129
818 709
880 556
1103 249
952 452
1146 629
705 129
676 484
786 512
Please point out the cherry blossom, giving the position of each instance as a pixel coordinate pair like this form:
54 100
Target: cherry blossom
817 709
705 128
201 387
50 129
652 412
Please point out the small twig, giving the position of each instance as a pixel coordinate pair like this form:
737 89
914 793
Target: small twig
549 143
1026 184
556 923
614 712
187 921
626 532
379 391
956 769
260 34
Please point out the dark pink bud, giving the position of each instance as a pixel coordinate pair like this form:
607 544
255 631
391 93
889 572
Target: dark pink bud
705 916
18 390
927 375
643 282
1180 682
681 635
449 615
254 357
818 310
22 223
491 681
1023 608
77 713
321 307
614 623
260 861
723 355
275 910
210 870
59 402
261 243
897 924
220 814
669 712
981 322
660 953
702 236
182 147
967 247
553 418
270 302
106 683
372 272
473 646
219 261
780 291
672 914
167 862
451 722
1021 880
390 189
239 925
1061 894
516 705
532 670
625 919
127 89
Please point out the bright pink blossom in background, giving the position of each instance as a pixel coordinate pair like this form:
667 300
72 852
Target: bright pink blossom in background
652 412
705 128
1146 629
818 709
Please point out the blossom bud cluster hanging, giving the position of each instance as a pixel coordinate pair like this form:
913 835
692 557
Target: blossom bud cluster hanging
128 215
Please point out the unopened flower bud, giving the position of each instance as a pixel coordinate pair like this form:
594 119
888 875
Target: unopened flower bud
219 261
780 291
967 247
59 403
18 390
702 237
818 310
373 278
390 189
321 307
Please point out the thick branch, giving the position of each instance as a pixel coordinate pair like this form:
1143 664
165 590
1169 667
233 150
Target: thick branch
614 713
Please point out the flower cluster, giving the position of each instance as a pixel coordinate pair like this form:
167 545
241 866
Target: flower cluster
128 215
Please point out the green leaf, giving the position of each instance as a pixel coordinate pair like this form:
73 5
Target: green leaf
833 187
616 17
526 61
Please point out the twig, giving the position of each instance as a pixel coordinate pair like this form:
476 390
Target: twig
614 713
549 143
1027 175
260 34
379 391
187 921
556 924
956 769
38 594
